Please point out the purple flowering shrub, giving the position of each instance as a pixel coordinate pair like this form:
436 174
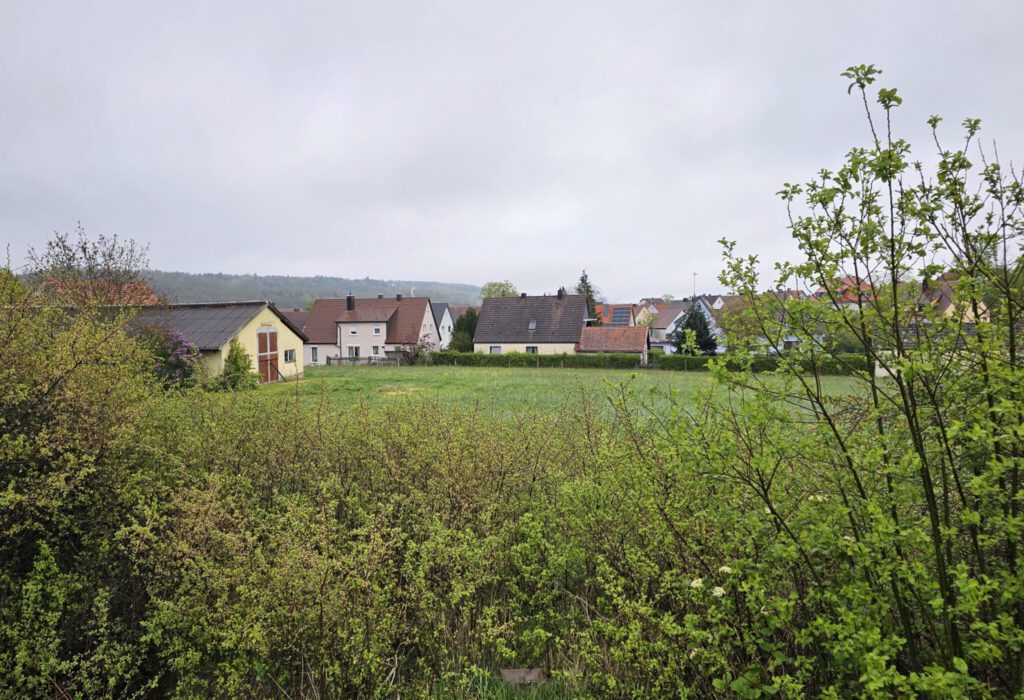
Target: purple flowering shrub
176 361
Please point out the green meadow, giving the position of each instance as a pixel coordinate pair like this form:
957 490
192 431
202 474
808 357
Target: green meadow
502 390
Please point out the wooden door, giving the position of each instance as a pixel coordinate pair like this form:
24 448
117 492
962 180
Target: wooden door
266 355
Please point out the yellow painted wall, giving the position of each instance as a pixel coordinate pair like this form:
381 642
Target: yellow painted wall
286 340
542 348
213 361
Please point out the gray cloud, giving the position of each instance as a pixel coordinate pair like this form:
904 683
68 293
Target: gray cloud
464 141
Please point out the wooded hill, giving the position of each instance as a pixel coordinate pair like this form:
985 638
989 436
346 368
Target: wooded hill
299 291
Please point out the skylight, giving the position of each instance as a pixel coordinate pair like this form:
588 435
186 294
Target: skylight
532 326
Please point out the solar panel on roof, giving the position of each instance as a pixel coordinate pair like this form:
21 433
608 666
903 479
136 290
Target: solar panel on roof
620 316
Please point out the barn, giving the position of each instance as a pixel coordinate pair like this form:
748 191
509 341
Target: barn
271 340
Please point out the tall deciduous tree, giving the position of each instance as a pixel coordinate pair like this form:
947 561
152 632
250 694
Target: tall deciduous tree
498 289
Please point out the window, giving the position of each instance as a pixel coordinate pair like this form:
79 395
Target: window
312 352
289 356
495 349
352 330
353 351
376 330
531 349
376 349
532 326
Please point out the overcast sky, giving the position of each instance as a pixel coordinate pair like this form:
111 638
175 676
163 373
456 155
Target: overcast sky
466 142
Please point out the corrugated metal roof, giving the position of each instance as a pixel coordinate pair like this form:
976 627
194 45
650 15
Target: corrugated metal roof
209 326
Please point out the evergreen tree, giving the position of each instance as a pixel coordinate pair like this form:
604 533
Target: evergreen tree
695 326
464 330
238 372
585 289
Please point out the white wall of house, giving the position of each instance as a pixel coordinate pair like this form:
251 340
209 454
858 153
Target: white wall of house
363 340
321 351
428 329
444 330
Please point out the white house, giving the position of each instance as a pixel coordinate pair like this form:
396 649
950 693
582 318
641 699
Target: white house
365 330
444 323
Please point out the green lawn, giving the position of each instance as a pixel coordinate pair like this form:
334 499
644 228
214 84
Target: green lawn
501 390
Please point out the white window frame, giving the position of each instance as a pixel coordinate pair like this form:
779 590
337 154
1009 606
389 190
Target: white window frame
313 354
376 330
353 330
289 354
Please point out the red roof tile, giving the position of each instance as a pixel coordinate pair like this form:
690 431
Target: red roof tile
613 339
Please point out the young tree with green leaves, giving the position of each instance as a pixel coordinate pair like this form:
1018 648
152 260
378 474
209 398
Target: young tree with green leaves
920 468
498 289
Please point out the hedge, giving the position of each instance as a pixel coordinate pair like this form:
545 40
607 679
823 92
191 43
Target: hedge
839 365
521 359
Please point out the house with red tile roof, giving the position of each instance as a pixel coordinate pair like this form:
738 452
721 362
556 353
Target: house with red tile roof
368 330
617 339
615 314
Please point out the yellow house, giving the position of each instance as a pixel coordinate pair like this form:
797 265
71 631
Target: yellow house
272 342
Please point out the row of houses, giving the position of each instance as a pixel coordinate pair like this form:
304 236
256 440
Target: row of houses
386 329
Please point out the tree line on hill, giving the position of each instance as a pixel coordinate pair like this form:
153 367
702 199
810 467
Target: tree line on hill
298 292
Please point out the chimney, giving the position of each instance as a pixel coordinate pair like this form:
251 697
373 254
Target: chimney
380 296
561 293
398 297
350 302
523 295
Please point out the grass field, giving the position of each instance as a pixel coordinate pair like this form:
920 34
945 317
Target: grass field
498 390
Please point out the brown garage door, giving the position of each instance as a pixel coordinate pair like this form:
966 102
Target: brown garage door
266 355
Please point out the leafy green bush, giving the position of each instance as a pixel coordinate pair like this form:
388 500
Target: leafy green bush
836 365
518 359
238 373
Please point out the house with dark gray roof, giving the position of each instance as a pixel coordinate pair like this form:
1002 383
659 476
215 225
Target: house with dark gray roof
271 340
543 325
444 322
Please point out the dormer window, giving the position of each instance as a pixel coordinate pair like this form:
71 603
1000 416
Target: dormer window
532 326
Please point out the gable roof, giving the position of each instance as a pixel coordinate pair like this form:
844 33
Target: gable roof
508 319
614 314
404 318
614 339
296 316
438 308
665 318
105 292
210 325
